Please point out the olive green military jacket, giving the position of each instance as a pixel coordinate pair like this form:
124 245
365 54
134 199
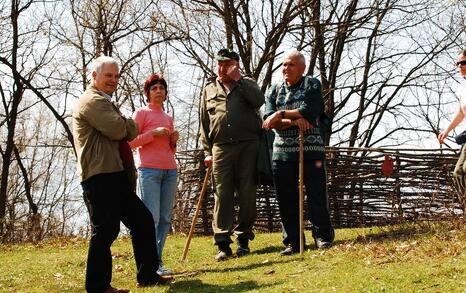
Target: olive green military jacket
97 129
230 118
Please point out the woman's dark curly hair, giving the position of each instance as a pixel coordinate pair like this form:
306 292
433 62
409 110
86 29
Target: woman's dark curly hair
150 81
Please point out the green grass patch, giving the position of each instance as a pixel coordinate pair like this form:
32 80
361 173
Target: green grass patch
426 257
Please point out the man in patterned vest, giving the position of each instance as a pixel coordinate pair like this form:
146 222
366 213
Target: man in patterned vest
292 105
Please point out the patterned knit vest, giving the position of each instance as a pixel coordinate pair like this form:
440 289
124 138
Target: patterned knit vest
286 143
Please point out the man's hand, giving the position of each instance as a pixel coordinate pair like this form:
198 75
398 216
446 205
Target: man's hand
272 121
161 131
208 161
233 72
302 124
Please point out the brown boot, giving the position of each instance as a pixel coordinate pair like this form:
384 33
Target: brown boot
161 280
115 290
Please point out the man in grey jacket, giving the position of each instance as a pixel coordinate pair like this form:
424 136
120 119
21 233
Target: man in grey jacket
98 130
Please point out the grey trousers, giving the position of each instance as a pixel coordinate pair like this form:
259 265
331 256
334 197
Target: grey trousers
234 171
459 177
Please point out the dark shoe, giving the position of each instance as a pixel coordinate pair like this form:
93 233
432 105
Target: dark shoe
223 254
243 247
241 251
160 280
224 251
322 244
289 250
115 290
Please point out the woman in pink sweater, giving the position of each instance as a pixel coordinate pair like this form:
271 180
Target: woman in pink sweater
156 145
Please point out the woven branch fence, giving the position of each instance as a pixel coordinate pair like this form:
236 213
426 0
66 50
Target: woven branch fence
419 188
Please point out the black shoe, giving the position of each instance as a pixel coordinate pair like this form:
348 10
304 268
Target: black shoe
240 251
322 244
243 247
289 250
224 251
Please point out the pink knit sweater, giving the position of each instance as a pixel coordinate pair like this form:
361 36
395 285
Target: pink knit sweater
154 151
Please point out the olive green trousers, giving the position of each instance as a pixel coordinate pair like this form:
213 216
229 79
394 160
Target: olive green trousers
234 173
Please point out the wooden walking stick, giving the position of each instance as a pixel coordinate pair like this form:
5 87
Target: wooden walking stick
301 192
196 213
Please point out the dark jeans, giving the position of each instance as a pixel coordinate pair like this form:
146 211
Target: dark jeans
286 177
459 177
109 200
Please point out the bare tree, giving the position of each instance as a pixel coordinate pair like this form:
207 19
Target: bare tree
127 30
15 55
40 201
385 66
256 29
372 57
36 59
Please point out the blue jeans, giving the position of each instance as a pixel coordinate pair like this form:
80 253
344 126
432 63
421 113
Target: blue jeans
157 189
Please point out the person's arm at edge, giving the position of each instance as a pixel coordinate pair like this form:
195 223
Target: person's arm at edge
459 116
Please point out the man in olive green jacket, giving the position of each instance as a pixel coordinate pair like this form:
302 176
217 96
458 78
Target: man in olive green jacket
230 129
98 129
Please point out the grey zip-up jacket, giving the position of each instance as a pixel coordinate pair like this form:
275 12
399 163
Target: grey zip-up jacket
97 129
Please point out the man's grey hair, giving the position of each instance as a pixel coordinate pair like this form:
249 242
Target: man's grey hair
101 61
294 53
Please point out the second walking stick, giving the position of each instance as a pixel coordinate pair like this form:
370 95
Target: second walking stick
196 213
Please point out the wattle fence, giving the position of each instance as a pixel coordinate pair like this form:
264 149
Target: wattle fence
419 187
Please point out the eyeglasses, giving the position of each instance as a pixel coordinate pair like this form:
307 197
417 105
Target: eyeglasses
462 62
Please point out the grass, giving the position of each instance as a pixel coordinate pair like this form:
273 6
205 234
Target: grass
426 257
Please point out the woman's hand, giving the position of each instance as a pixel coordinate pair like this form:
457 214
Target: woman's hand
174 136
161 131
